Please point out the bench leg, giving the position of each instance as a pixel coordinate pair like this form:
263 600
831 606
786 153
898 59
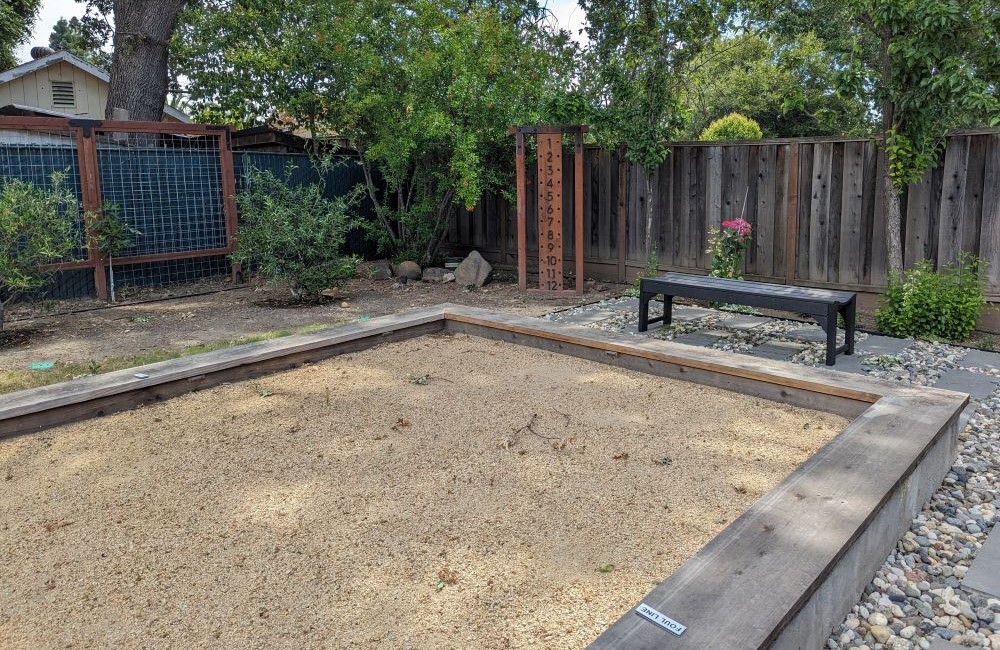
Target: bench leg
830 327
644 310
668 309
849 314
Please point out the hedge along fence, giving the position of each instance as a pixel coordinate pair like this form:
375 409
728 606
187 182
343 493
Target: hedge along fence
173 182
815 206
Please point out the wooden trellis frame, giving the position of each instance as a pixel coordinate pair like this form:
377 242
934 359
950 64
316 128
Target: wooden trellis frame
551 261
86 132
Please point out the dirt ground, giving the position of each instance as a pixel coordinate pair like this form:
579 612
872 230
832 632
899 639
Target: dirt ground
423 494
179 322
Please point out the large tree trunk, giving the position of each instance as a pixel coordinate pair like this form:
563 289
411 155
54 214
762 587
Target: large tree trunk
139 64
893 227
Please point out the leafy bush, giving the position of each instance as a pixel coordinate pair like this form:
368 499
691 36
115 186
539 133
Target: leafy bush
732 127
941 304
36 228
293 232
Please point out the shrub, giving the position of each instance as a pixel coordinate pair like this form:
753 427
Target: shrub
732 127
941 304
36 228
727 246
294 233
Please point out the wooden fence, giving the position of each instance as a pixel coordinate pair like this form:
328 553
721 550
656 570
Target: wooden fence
815 206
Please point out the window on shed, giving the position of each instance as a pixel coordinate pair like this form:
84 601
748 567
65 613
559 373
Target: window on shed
63 94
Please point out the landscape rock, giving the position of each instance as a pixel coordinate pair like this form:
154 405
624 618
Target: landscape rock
474 271
375 270
408 270
434 274
448 277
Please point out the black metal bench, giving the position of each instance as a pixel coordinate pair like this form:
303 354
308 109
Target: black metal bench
821 304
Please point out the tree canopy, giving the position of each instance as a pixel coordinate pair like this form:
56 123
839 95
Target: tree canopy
81 39
16 20
424 90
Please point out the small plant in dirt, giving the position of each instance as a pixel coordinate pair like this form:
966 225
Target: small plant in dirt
651 271
36 228
293 232
925 303
113 235
727 246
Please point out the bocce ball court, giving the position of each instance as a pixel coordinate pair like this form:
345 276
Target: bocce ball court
453 477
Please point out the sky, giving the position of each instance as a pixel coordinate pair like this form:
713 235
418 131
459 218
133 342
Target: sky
567 12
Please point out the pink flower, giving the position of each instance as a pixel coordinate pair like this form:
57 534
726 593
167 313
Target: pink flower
739 224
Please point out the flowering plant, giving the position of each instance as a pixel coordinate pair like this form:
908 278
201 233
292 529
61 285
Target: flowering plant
727 247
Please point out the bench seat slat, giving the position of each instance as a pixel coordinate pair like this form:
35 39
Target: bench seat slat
751 288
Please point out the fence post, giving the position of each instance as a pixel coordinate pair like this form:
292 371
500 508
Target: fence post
792 214
90 188
229 193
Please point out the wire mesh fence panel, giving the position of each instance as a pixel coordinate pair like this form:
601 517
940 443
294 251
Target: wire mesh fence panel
33 157
170 272
168 187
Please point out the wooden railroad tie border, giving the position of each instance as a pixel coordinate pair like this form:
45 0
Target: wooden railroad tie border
782 575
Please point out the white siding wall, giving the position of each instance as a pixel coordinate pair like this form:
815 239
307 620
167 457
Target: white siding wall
35 89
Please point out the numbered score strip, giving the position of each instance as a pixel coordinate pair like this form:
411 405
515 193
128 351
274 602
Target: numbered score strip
550 212
655 617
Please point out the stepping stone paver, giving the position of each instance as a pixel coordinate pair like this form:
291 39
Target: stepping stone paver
704 338
937 643
743 322
984 572
981 359
848 363
776 350
978 385
585 317
808 334
879 345
682 313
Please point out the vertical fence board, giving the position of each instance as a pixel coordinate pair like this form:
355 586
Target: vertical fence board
852 220
834 211
807 154
951 226
781 198
820 211
869 172
765 238
974 181
989 237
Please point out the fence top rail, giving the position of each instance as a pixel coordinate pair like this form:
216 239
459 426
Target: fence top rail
73 124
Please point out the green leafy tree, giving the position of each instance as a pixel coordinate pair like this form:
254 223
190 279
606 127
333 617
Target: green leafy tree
16 20
292 232
637 65
924 66
113 235
789 88
36 228
424 90
732 127
80 39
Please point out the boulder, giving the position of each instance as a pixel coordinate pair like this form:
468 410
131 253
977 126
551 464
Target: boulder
474 271
375 270
408 270
450 277
434 274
